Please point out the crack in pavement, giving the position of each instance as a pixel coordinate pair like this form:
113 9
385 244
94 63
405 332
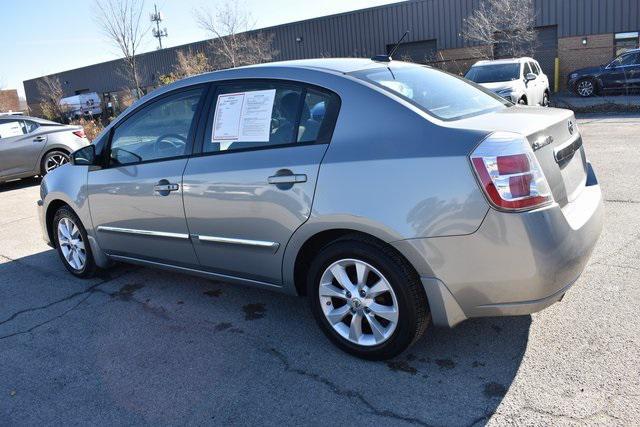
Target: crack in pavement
88 291
343 392
569 417
15 220
623 201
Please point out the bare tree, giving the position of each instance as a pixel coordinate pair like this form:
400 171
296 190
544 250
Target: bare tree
121 21
235 43
189 64
506 25
50 90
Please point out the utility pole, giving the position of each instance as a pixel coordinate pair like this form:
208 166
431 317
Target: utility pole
157 32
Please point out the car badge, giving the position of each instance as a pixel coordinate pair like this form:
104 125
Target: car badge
542 142
571 127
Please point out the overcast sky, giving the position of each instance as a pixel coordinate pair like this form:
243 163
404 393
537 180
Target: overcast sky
39 37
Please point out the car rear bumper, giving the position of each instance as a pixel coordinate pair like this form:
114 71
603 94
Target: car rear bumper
515 263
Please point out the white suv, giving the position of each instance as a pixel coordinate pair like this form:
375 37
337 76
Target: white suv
520 80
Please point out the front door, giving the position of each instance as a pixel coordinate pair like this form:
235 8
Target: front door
136 200
20 145
253 184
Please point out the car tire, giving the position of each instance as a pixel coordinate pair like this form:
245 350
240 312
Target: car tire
585 87
545 99
363 322
53 160
71 242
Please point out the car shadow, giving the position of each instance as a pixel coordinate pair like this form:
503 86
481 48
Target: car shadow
19 184
210 350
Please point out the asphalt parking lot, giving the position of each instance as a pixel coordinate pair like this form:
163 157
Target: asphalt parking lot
141 346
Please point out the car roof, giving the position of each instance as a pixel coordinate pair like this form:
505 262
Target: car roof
33 119
504 61
336 65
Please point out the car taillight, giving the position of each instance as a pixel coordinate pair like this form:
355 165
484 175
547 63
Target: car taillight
509 173
79 133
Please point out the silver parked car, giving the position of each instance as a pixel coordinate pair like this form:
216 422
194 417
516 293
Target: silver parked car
31 146
392 195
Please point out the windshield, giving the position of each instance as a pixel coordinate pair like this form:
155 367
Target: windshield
494 73
440 94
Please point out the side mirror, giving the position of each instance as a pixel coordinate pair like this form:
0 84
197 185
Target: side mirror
529 77
85 156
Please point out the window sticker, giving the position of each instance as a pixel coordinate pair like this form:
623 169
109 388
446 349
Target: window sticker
243 117
8 130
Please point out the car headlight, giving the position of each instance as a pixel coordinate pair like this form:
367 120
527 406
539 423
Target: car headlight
573 75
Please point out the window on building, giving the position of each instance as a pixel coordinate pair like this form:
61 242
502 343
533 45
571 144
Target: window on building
626 41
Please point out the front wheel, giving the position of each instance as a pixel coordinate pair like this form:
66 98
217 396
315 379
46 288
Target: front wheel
71 241
366 298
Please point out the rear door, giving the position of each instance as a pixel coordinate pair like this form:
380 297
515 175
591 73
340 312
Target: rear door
21 142
253 183
136 199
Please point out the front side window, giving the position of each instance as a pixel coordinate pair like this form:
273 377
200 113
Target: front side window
159 131
534 68
9 128
440 94
527 69
263 115
626 59
494 73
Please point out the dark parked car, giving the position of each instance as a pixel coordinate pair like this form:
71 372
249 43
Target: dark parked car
623 73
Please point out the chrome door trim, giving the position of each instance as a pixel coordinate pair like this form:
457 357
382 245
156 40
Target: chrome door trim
202 273
244 242
143 232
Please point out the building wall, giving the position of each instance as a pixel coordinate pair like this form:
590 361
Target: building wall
459 60
9 100
367 32
573 54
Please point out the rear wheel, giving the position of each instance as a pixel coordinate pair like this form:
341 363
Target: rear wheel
545 99
53 160
366 298
585 88
72 243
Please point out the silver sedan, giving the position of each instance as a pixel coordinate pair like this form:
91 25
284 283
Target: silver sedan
32 146
391 195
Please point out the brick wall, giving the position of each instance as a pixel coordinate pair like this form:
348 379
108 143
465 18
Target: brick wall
458 61
9 100
573 54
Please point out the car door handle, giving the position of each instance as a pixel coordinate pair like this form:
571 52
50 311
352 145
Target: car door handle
39 139
287 179
164 188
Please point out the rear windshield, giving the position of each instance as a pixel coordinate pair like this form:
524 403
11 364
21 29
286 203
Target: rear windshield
440 94
494 73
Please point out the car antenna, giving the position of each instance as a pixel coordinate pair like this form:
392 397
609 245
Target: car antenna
389 57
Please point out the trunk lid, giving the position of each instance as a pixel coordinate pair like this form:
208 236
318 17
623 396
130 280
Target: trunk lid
554 137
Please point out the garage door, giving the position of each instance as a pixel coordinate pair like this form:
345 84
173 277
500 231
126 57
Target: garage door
421 51
545 52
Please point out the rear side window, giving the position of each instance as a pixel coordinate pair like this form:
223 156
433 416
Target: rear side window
263 115
440 94
158 131
9 128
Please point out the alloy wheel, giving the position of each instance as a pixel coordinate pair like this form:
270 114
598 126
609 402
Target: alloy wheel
54 161
585 88
71 244
358 302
